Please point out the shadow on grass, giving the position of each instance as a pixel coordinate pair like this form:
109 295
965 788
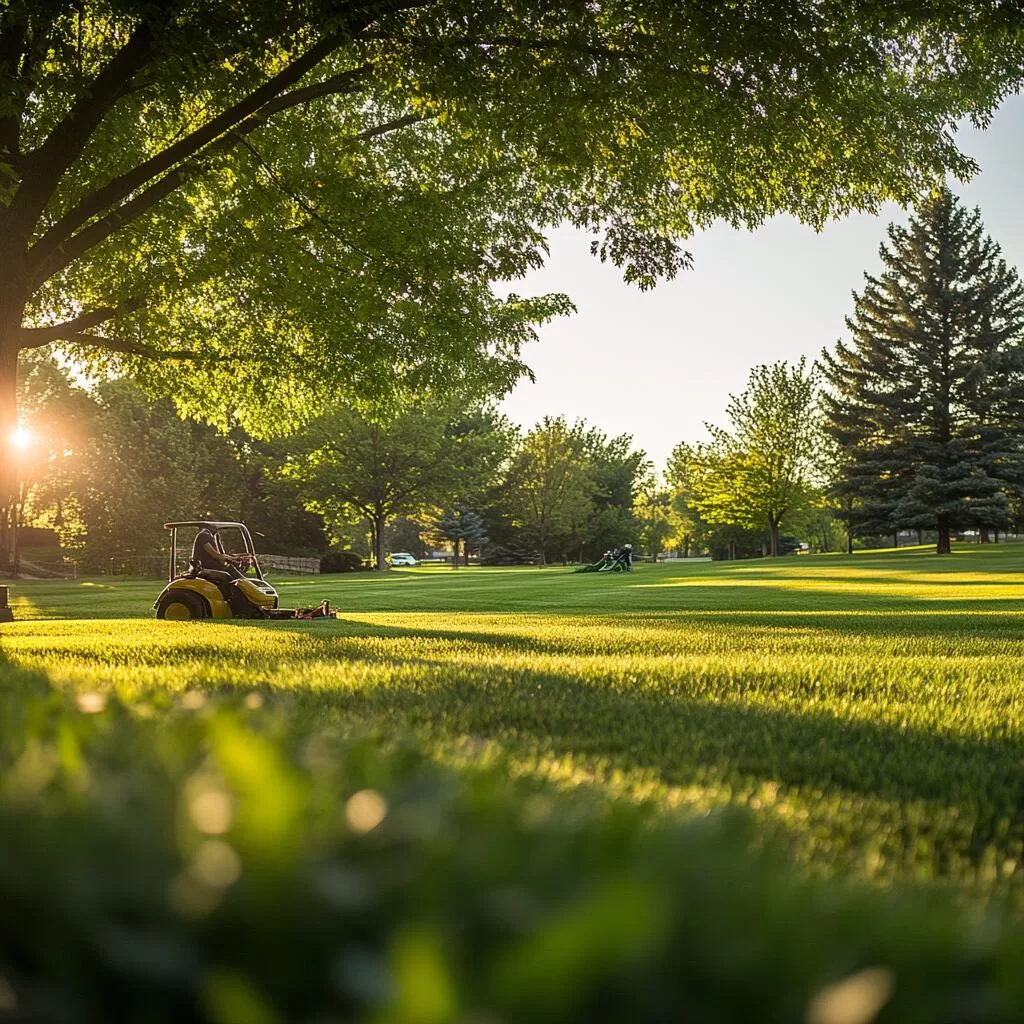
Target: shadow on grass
612 730
936 801
948 628
679 737
864 578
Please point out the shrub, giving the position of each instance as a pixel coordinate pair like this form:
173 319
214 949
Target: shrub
198 862
341 561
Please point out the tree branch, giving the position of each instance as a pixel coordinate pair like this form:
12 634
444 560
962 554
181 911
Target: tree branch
508 42
34 51
106 226
78 245
331 86
390 126
131 348
33 337
45 165
13 40
238 117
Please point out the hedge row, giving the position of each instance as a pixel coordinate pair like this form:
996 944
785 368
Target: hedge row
198 861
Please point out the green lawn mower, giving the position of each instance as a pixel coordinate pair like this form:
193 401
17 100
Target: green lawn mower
617 560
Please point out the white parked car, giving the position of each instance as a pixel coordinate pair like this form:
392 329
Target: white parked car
402 558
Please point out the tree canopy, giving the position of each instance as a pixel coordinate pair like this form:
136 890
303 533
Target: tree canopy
330 189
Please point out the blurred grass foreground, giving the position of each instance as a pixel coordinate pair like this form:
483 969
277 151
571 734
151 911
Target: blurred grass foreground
788 790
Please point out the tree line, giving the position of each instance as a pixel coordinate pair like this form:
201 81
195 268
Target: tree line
247 206
914 422
110 464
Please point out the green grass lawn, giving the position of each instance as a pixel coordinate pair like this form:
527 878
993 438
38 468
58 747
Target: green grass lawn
869 708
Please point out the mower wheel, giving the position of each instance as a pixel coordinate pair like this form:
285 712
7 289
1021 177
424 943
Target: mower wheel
181 606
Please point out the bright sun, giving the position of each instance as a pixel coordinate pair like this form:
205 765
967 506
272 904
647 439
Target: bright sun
21 439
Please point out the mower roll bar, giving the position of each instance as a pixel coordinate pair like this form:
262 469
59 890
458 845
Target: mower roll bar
250 548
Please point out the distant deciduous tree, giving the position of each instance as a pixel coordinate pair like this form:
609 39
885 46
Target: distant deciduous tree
350 466
110 465
763 470
655 522
617 471
548 489
680 476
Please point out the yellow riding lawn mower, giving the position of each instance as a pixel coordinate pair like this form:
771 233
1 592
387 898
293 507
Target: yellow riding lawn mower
236 592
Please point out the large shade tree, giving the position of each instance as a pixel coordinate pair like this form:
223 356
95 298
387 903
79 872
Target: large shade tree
244 203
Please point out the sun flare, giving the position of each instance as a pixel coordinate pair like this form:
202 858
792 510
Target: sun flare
21 439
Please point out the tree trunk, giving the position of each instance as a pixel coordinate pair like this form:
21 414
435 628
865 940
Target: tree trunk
455 552
895 538
983 535
465 553
918 536
849 543
8 424
378 542
942 546
773 529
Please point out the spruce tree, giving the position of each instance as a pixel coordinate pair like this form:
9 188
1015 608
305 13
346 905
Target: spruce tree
927 398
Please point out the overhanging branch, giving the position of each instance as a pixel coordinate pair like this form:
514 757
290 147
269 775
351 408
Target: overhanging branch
244 116
101 229
34 337
44 166
78 245
390 126
131 348
509 42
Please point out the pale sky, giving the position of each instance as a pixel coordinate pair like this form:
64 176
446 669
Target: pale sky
660 364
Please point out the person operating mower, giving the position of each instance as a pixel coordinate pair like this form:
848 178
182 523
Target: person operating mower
217 566
207 553
219 584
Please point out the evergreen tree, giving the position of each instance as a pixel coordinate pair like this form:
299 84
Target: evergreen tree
928 397
461 525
